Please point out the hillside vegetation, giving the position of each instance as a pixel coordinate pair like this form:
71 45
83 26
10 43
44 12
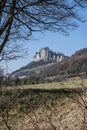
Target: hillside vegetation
69 67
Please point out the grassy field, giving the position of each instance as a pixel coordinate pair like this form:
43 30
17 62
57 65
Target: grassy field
71 83
50 106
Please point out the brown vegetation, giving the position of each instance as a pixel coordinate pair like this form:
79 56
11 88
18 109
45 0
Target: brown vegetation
43 109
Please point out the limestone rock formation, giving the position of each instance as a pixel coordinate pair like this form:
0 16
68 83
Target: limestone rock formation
48 55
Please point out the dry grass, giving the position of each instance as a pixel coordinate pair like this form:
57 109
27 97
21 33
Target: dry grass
68 84
47 106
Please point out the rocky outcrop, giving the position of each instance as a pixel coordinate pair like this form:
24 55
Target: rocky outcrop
47 55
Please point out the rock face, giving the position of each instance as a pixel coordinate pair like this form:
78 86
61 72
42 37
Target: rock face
47 55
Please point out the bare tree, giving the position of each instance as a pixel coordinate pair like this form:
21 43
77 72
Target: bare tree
19 19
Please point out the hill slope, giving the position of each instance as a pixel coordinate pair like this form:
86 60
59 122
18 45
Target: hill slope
74 65
67 67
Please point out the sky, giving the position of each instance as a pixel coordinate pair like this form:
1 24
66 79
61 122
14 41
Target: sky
76 40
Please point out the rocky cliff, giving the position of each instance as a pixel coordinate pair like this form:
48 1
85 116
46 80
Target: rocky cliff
48 55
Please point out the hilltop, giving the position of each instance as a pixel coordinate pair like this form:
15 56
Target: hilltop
42 59
48 55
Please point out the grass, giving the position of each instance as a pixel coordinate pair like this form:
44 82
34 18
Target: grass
68 84
47 106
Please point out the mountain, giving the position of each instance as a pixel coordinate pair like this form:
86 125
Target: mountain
49 69
45 57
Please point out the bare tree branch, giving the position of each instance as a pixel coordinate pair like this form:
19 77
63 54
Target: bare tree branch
19 19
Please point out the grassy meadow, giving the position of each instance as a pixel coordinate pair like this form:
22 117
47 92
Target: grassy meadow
48 106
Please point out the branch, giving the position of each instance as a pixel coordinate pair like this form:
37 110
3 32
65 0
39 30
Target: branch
9 25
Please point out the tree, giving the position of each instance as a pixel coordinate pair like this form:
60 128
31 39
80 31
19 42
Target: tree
20 18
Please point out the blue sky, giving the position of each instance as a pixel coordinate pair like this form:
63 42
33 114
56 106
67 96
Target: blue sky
76 40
